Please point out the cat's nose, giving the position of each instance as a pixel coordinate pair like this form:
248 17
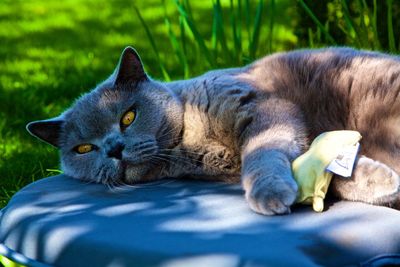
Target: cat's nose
116 151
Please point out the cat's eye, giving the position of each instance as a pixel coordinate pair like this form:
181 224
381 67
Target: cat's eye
128 118
85 148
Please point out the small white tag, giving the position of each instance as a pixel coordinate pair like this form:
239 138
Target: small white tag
344 162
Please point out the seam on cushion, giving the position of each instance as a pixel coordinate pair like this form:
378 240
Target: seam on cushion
19 258
382 260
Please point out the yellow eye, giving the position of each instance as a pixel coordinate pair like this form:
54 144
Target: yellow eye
85 148
128 118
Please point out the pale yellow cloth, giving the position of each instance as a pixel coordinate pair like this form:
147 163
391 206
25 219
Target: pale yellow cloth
309 168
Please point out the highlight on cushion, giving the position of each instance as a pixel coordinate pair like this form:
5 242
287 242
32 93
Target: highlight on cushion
59 221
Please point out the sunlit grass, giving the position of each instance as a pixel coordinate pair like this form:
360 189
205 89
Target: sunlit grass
234 33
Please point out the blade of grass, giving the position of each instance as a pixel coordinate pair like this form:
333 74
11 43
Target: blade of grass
221 32
175 44
189 44
375 27
362 6
271 24
199 39
153 44
188 8
239 31
350 24
370 27
392 44
318 36
54 171
310 38
256 29
247 19
183 34
235 37
317 22
214 34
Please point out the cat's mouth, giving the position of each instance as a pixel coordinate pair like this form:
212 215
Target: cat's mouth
138 163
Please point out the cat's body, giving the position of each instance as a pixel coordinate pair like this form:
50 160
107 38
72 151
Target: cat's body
245 124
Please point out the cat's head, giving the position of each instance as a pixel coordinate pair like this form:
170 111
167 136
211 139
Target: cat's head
119 131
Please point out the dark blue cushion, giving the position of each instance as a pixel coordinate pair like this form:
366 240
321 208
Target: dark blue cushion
64 222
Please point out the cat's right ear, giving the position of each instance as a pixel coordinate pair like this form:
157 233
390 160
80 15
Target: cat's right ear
130 68
46 130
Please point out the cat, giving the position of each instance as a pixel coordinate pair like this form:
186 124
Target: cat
243 124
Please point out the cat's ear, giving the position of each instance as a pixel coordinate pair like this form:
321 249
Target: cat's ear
46 130
130 67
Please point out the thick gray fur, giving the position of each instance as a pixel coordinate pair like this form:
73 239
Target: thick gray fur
244 124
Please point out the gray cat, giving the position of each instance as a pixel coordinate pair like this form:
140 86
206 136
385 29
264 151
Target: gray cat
243 124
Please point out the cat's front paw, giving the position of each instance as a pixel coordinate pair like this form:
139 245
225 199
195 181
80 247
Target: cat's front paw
222 160
271 196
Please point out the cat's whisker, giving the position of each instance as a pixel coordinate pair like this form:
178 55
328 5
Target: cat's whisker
182 150
110 187
169 141
165 140
171 130
168 160
181 157
100 175
186 160
162 159
87 181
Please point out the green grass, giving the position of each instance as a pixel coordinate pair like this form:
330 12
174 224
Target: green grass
366 24
53 51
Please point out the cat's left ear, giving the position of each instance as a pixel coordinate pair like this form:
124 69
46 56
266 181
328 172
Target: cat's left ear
47 130
130 67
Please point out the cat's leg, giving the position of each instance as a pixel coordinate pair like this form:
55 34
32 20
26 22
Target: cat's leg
272 141
371 182
268 182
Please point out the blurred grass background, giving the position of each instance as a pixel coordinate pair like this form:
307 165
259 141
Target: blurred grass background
53 51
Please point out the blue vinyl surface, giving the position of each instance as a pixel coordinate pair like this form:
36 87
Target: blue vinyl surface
63 222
